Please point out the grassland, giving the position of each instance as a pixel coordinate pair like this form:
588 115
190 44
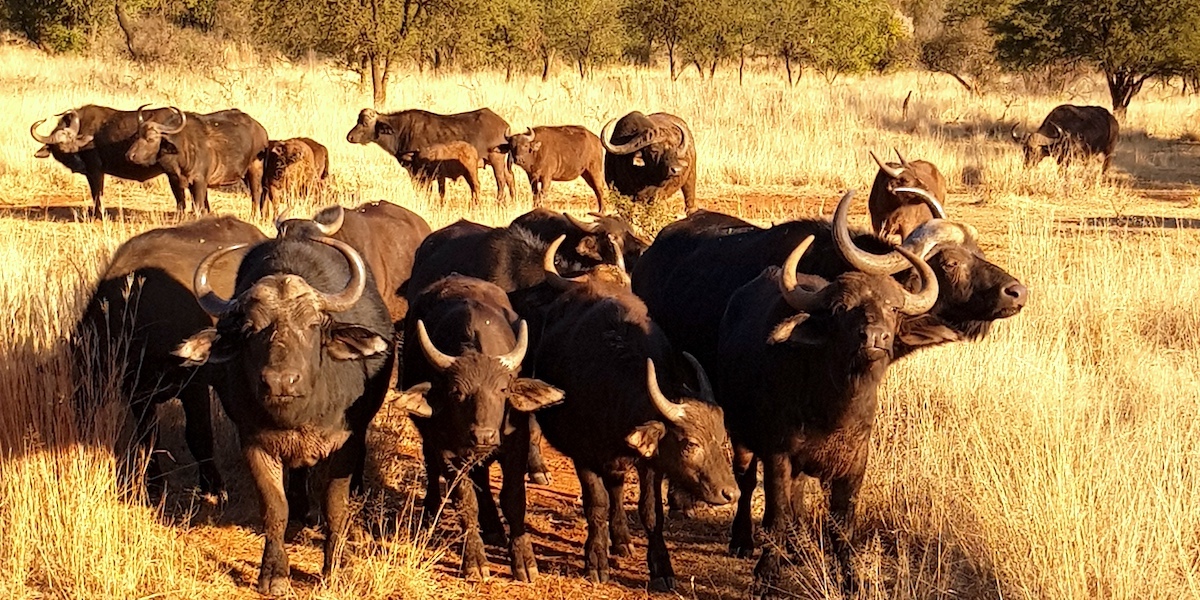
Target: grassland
1058 458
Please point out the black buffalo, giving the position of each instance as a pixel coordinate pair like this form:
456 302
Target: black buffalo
92 141
471 409
412 130
561 153
650 157
196 151
143 305
304 349
800 365
1071 130
630 398
895 210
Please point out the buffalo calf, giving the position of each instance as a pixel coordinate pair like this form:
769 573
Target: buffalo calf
562 153
293 166
895 211
449 160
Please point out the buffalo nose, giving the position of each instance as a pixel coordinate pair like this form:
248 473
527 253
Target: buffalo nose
485 436
877 337
730 494
1017 292
282 382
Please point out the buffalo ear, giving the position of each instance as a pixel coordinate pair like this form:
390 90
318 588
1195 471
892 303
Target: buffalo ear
43 152
925 331
645 437
407 156
203 347
384 129
83 140
166 147
589 247
351 342
528 395
534 147
801 330
502 149
413 400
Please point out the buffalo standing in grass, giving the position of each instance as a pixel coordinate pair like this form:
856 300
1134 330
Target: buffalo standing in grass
1069 131
630 398
412 130
143 306
304 348
472 409
293 166
562 153
196 151
895 210
439 162
93 140
650 157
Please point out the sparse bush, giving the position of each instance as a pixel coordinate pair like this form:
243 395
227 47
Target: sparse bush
57 25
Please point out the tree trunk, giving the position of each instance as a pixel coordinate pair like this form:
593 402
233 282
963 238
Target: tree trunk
1123 85
547 57
699 68
507 72
581 64
712 70
126 28
787 65
379 79
671 60
741 63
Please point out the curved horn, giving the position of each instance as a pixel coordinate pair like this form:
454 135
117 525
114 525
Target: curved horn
368 116
683 139
507 132
182 122
637 143
335 226
282 217
857 257
585 226
925 239
706 389
346 298
208 299
74 121
797 297
529 132
41 139
619 248
935 207
512 360
903 163
923 300
141 117
1059 130
672 411
891 171
436 357
552 277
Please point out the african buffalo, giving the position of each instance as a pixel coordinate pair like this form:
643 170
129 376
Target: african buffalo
92 140
630 397
303 348
197 151
471 409
447 160
800 365
293 166
412 130
650 157
562 153
1071 130
143 305
895 211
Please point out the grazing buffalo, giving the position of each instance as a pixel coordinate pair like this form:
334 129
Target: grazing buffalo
895 211
293 166
197 151
630 397
650 157
800 365
304 349
563 153
92 140
412 130
142 307
386 235
1071 130
448 160
471 409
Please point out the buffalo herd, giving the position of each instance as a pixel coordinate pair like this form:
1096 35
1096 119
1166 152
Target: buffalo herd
692 358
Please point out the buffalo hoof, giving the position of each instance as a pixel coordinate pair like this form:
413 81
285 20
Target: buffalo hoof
741 549
662 584
623 549
540 478
274 586
476 573
597 575
524 564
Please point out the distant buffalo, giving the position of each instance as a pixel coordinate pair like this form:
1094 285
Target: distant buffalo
1071 130
293 166
196 151
650 157
448 160
895 210
562 153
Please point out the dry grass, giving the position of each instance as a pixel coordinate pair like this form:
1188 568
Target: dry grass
1056 459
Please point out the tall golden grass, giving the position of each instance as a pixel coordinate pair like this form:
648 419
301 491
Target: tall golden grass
1055 459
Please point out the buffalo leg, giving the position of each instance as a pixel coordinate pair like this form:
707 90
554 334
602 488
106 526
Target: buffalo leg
267 471
689 192
433 484
777 483
621 543
596 182
472 178
200 197
474 558
95 179
595 509
197 410
254 175
843 492
1103 167
489 514
741 538
179 190
505 182
145 433
512 501
650 509
539 473
341 466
